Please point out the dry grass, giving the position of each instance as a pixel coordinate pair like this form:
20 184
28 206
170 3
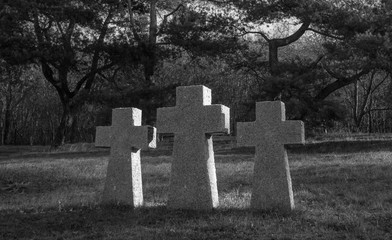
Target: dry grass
338 196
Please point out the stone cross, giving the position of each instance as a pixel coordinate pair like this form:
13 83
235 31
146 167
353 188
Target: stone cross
269 133
125 137
193 121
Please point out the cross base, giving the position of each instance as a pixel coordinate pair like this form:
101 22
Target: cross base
196 190
124 180
272 181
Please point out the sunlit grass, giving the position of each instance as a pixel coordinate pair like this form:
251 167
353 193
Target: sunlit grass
341 196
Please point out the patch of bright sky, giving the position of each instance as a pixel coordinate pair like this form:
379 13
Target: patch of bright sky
279 29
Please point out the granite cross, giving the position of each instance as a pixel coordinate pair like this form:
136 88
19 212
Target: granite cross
269 133
193 121
125 137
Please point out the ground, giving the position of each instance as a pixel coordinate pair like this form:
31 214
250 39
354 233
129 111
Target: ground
337 196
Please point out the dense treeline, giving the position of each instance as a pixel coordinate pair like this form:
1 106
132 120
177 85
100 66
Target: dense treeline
65 64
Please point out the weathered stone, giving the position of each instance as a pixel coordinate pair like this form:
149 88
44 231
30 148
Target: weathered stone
269 133
193 121
125 137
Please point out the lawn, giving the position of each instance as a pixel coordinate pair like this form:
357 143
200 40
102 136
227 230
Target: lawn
337 196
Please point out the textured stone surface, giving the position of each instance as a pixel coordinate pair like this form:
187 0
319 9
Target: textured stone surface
193 120
269 133
125 137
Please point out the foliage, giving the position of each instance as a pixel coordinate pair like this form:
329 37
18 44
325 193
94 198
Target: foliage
102 54
68 40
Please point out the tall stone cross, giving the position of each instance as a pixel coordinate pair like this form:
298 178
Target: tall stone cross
269 133
125 138
193 121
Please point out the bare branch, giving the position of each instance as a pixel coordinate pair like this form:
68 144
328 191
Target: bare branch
367 94
340 82
381 82
325 34
254 32
332 74
60 28
281 42
153 23
171 13
91 75
70 30
94 64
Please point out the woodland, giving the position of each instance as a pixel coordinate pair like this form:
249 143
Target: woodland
65 64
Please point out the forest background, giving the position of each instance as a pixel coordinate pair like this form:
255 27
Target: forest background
65 64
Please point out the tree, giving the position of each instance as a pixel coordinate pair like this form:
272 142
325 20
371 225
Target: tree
353 38
73 42
365 95
76 43
340 22
14 88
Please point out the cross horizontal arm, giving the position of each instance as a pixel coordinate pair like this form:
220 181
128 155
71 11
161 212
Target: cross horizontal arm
270 112
141 137
167 120
216 119
246 134
293 132
103 136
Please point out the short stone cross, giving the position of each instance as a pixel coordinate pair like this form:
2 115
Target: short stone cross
125 137
193 120
269 133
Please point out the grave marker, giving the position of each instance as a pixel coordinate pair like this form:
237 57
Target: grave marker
269 133
193 121
125 137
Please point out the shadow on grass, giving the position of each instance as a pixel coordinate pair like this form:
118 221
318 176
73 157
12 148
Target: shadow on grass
53 155
30 181
344 175
101 221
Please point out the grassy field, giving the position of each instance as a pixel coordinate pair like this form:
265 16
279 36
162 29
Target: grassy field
337 196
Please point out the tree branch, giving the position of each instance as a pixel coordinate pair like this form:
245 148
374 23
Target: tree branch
254 32
153 23
91 75
339 83
381 82
94 63
281 42
367 95
70 29
325 34
164 22
132 22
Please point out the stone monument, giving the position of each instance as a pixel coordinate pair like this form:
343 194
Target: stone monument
193 121
269 133
126 137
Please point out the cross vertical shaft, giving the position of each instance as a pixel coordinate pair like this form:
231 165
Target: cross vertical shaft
126 137
193 121
268 134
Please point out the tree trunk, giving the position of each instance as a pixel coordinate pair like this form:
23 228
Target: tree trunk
370 118
65 127
357 119
73 130
7 116
7 124
273 58
275 44
150 46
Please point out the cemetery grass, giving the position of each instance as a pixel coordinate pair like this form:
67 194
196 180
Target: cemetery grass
337 196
